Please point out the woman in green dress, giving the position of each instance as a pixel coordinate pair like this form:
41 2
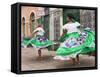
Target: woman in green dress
74 41
39 41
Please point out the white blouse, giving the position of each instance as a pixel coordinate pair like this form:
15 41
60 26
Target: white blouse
71 27
40 31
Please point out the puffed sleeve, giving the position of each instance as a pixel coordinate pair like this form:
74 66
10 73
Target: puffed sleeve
42 30
35 30
77 24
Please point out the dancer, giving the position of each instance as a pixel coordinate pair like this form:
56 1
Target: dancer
39 41
74 41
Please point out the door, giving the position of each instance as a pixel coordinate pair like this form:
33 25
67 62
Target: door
32 21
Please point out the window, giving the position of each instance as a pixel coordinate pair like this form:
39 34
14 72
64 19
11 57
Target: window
23 26
32 21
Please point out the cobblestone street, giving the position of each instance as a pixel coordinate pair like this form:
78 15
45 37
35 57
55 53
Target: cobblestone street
30 60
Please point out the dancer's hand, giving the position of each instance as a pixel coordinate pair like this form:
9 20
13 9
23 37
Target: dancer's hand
65 31
61 35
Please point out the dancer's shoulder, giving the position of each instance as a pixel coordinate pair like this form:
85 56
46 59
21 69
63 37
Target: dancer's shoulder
77 24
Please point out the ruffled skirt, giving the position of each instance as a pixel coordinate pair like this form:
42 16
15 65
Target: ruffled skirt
74 44
38 42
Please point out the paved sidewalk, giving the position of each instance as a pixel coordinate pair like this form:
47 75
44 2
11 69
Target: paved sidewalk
30 60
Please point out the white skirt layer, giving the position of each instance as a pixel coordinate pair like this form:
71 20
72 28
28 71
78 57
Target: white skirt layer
68 57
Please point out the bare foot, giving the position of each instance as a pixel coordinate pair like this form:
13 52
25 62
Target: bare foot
73 61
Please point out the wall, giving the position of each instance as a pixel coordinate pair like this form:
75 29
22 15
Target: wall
26 12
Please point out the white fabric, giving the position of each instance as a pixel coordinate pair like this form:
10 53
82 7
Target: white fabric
68 57
61 58
71 27
69 41
40 31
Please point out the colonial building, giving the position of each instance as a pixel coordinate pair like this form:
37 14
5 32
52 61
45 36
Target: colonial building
56 23
30 16
53 20
50 18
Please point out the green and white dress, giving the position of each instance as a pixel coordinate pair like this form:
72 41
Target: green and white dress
39 41
75 42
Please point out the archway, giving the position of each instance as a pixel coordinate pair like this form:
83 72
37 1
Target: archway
32 22
23 26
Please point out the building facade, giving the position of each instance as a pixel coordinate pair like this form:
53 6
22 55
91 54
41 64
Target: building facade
53 20
56 23
29 18
87 18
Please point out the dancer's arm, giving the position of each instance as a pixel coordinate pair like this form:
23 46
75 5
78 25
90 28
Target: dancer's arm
64 31
34 32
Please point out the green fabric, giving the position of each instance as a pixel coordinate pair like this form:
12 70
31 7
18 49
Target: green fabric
25 41
65 36
35 42
84 48
67 51
87 50
44 43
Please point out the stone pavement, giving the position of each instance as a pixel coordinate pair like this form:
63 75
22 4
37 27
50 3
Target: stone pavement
30 61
